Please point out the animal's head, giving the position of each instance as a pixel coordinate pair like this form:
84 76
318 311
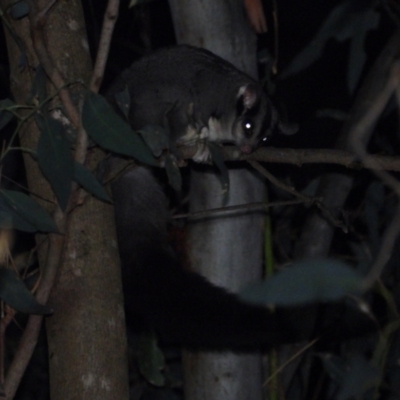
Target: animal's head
256 119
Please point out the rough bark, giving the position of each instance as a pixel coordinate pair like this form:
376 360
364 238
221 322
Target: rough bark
87 345
86 334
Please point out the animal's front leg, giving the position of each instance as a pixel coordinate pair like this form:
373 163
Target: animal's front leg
203 154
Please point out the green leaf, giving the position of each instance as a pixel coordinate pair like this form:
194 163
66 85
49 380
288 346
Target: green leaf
123 100
156 137
10 219
348 20
109 131
306 282
173 172
5 115
20 10
28 210
5 218
39 86
218 160
354 376
374 205
150 359
334 365
14 292
54 157
362 24
87 180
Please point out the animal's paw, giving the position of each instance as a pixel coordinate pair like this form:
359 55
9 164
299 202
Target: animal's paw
203 155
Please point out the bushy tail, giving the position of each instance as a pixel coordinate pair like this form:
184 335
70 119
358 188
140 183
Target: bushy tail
182 306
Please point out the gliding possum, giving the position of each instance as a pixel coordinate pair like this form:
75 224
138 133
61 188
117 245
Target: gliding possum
195 96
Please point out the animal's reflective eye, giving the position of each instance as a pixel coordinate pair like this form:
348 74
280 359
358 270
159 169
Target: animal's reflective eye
248 127
264 139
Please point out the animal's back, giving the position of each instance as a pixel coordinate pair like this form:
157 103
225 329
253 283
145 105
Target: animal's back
192 80
185 67
181 305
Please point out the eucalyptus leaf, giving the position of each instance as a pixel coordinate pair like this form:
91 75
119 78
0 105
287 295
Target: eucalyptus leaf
353 376
19 10
306 282
156 138
123 100
5 218
28 210
150 359
364 22
111 132
39 85
334 365
374 204
173 172
218 160
360 375
54 157
5 115
14 292
134 3
347 20
9 219
87 180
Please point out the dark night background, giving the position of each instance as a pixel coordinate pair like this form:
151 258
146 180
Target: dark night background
316 99
321 86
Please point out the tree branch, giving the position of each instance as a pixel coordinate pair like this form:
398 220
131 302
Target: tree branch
110 18
300 157
358 142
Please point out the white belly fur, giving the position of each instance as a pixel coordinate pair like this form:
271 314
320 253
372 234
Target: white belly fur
214 132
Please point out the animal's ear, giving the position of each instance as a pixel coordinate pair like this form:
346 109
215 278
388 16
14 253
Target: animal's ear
284 128
288 129
249 95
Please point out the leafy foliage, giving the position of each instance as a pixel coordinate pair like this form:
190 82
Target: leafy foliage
364 368
306 282
354 376
123 100
25 213
5 114
156 137
54 157
150 359
217 157
87 180
173 172
109 131
15 294
19 9
348 20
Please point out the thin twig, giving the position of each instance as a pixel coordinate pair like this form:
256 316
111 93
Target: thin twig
291 359
368 122
110 18
299 157
306 199
31 333
243 207
358 143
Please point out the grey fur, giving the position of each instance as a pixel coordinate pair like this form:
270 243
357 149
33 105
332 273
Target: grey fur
196 95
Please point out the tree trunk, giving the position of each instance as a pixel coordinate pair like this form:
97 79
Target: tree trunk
227 251
86 333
